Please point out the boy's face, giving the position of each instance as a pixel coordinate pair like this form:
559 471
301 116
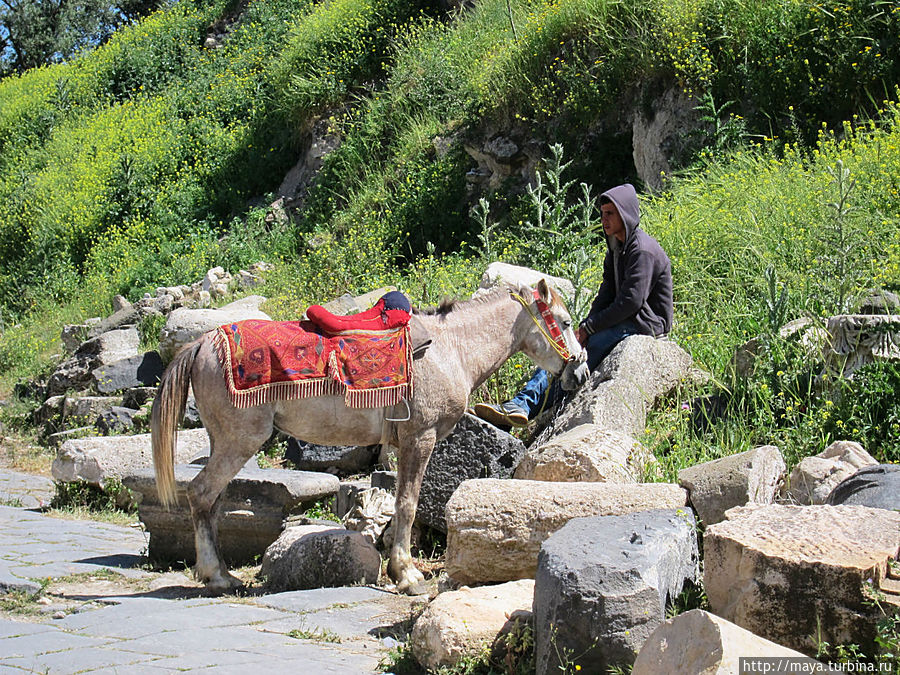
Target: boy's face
612 221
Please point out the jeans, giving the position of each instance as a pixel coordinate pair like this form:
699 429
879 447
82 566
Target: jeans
598 346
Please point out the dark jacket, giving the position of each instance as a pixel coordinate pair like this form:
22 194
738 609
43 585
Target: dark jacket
637 276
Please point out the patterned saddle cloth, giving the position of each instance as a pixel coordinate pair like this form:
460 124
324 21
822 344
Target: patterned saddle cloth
267 361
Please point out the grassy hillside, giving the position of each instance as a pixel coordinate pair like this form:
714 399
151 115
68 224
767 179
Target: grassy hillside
139 164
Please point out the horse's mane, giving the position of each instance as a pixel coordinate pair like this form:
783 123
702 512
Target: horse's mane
448 305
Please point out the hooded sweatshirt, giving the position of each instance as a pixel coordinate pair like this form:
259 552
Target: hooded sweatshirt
637 276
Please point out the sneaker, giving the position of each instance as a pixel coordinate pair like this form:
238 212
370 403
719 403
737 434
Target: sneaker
505 414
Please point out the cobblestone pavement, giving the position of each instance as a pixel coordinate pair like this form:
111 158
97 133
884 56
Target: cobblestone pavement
103 613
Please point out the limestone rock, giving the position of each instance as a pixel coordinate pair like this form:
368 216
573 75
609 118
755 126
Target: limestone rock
107 348
318 556
858 339
142 370
499 272
813 479
185 325
251 511
618 394
459 623
495 527
95 460
474 449
876 486
700 642
750 477
794 574
586 453
602 585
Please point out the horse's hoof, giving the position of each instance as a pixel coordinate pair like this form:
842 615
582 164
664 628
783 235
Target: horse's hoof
222 585
412 585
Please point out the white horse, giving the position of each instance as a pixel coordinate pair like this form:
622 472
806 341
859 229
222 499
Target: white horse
470 341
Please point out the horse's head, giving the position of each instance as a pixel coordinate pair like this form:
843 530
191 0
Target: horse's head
549 339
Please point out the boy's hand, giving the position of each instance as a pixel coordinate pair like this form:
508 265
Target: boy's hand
582 336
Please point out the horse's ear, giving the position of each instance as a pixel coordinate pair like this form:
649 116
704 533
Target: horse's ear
544 291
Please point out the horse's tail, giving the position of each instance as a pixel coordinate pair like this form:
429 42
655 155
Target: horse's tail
168 410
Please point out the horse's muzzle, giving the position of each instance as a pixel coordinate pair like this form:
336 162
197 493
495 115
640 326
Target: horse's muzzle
575 373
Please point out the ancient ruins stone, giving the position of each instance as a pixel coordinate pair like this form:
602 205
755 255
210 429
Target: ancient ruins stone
75 372
602 584
252 510
813 479
97 459
794 574
750 477
700 642
457 624
339 460
513 275
625 385
348 495
185 325
116 420
474 449
495 527
318 556
142 370
877 487
586 453
859 339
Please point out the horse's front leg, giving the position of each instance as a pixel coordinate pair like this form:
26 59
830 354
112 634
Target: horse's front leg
414 454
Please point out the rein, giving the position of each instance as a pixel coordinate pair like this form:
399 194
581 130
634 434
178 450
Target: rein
554 336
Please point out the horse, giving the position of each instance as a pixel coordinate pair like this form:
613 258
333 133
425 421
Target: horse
471 339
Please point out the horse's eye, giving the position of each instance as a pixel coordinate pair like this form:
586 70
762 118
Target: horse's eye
567 325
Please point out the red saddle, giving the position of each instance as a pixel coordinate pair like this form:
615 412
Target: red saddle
391 311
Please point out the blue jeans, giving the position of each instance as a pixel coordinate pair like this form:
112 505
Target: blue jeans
598 346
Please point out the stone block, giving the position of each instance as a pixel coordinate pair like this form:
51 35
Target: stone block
319 556
625 385
751 477
700 642
794 574
185 325
459 624
142 370
586 453
813 479
474 449
75 373
877 487
252 510
513 275
347 496
603 582
97 459
386 480
339 460
495 527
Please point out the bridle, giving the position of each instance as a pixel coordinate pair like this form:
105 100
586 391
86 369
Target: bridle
551 332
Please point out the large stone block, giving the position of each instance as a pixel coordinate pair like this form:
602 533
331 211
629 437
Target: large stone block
813 479
142 370
97 459
602 584
76 372
586 453
457 624
700 642
751 477
875 486
252 510
513 275
495 527
185 325
795 574
319 556
474 449
625 385
336 459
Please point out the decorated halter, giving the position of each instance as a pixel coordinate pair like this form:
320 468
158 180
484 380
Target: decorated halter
552 332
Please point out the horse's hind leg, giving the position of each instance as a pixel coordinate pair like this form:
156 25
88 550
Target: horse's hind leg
414 454
230 448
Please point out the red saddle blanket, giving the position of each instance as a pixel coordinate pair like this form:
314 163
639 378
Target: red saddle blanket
266 361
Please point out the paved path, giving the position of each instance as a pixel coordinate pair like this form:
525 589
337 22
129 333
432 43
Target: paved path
105 614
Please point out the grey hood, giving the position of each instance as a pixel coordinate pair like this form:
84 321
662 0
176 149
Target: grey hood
626 200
